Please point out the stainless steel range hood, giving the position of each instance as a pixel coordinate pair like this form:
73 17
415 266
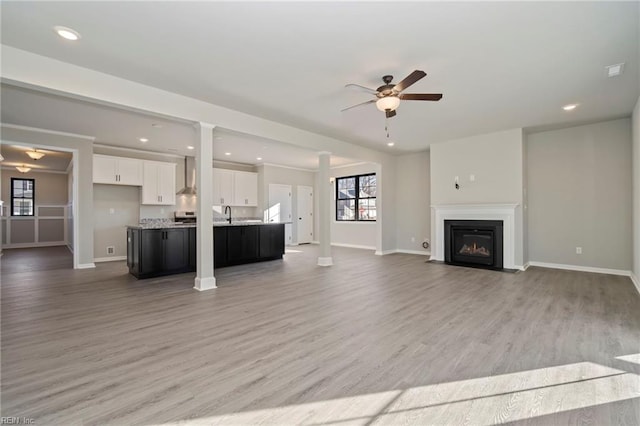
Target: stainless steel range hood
189 177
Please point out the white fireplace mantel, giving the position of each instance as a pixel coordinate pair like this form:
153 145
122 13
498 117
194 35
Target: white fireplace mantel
504 212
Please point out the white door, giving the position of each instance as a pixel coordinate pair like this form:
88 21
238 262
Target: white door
279 207
304 204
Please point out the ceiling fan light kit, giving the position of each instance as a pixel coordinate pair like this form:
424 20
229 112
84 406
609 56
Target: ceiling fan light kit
388 103
389 94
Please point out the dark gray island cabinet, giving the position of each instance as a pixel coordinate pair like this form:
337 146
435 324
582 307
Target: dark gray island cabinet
153 252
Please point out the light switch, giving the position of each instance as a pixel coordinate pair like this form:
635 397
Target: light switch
472 178
112 210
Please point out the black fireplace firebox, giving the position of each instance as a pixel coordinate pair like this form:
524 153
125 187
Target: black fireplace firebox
475 243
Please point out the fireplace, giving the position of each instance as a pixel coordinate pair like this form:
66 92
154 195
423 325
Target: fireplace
476 243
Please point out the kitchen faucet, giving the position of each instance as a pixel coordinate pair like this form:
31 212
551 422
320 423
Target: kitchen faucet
225 212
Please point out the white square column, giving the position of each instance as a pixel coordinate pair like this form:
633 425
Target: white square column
204 231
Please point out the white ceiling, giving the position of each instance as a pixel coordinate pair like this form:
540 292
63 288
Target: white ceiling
500 65
15 155
122 128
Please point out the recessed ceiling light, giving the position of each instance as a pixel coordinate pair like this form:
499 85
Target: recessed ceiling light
391 143
570 107
258 158
191 147
615 70
67 33
227 153
143 140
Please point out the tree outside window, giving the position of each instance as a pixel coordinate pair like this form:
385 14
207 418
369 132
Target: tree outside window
356 198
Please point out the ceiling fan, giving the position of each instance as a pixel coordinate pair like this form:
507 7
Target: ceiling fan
388 96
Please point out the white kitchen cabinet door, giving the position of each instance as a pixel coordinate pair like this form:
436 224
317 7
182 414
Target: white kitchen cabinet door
104 169
117 170
223 182
159 183
246 189
167 183
129 171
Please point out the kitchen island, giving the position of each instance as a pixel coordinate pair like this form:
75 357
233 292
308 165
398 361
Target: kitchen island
163 249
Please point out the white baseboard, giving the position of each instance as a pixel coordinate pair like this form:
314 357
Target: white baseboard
356 246
203 284
523 267
581 268
86 265
33 245
420 252
385 252
109 259
315 242
635 280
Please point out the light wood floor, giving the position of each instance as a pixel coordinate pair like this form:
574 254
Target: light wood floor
384 340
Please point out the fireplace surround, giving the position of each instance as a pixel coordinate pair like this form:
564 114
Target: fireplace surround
509 214
475 243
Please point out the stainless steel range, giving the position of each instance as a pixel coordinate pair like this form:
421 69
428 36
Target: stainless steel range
185 216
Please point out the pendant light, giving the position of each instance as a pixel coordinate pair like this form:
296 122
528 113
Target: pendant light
35 154
23 169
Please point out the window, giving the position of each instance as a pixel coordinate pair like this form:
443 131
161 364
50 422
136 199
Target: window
22 197
356 198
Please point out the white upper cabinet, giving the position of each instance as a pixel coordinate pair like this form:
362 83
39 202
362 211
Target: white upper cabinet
245 189
234 188
222 187
117 170
159 187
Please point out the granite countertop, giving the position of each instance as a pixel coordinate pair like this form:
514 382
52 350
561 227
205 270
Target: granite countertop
172 225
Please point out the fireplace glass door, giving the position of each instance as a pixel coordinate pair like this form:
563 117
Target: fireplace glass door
473 246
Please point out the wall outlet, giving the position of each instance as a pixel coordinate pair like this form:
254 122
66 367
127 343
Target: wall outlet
472 178
413 239
112 210
111 250
578 250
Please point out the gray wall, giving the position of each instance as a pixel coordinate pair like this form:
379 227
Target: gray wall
353 233
85 178
496 161
413 196
580 195
636 191
110 224
268 174
51 188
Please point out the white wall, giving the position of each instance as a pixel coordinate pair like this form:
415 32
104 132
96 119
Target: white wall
358 234
580 195
636 192
413 198
268 174
496 162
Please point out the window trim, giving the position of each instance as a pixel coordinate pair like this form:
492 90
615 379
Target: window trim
357 198
33 198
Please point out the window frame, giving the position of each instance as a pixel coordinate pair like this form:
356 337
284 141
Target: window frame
356 199
32 198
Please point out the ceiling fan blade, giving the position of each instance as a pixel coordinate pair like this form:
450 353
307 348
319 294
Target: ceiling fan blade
421 96
363 103
366 89
390 114
409 80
